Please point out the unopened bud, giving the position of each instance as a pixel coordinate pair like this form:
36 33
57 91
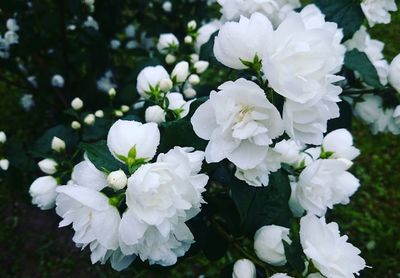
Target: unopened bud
75 125
4 164
99 114
189 93
112 92
192 25
57 144
125 108
3 137
118 113
194 79
117 180
166 85
89 119
170 59
201 66
76 103
154 114
188 39
48 166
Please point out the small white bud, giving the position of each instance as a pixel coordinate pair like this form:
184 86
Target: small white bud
194 79
188 39
118 113
189 93
4 164
194 58
244 268
115 44
3 137
75 125
57 144
117 180
89 119
99 114
201 66
125 108
48 166
76 103
57 81
180 72
167 6
170 59
139 104
192 25
166 85
112 92
155 114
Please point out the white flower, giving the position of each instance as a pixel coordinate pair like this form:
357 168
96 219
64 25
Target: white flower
330 253
166 85
394 73
189 92
178 104
125 135
12 25
205 32
86 174
93 219
281 275
306 123
4 164
167 6
244 268
324 183
275 10
239 123
232 46
11 37
3 137
57 81
268 244
48 166
362 41
117 180
194 58
27 102
43 192
160 197
149 78
154 114
89 119
369 109
167 42
303 56
57 144
91 23
377 11
201 66
340 142
76 103
315 275
180 72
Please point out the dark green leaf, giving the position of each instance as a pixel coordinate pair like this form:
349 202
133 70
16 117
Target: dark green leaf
207 49
259 206
358 61
43 144
99 154
346 13
96 131
294 255
345 118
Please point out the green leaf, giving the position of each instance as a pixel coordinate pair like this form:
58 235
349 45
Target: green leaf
207 50
96 131
132 152
358 61
260 206
346 13
99 154
294 255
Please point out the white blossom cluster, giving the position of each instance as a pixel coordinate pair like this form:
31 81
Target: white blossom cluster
377 11
9 38
4 163
159 197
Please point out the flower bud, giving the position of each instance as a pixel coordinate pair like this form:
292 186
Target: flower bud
188 39
112 92
201 66
57 81
118 113
43 192
117 180
48 166
99 114
125 108
170 59
268 244
194 79
139 104
167 6
166 85
189 93
130 31
57 144
194 58
4 164
192 25
115 44
244 268
3 137
180 72
75 125
89 119
166 42
76 103
155 114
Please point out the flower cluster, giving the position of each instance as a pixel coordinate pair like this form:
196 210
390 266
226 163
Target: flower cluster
9 38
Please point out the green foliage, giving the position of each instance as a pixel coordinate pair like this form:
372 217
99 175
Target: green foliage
43 144
346 13
99 154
